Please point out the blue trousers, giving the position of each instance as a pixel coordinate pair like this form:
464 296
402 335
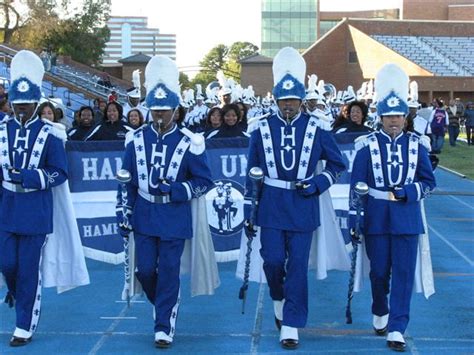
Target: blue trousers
453 132
437 143
285 263
157 269
20 257
392 256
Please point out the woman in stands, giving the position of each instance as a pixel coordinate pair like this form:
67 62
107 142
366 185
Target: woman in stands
213 121
135 118
342 118
83 125
112 127
47 111
230 128
358 112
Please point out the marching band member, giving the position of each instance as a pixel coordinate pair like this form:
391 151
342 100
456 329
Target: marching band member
287 146
396 167
35 203
168 169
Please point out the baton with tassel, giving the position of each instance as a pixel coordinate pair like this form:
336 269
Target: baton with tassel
124 177
361 189
256 176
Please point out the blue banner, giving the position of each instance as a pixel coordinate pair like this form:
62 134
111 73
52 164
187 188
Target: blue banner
92 170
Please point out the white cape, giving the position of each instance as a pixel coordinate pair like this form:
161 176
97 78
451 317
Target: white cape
63 264
198 257
424 282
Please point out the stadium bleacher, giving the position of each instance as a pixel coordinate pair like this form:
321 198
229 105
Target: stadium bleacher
443 56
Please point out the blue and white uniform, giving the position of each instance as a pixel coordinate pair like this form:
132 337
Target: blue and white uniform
162 221
288 153
391 227
33 161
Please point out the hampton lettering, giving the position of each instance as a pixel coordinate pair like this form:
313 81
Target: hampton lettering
99 230
100 169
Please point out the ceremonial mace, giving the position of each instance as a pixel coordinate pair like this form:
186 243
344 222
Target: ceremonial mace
361 189
256 176
124 177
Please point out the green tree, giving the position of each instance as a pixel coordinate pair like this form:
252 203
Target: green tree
79 31
226 59
237 52
184 80
83 37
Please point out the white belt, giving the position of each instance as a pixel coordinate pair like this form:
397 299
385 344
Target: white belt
282 184
382 195
16 187
154 198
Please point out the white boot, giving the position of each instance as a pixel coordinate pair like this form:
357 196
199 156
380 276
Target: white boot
289 337
162 340
278 310
395 341
380 324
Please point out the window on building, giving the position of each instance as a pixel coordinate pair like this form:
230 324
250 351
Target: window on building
353 57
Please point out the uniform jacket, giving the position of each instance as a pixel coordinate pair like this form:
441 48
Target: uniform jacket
286 209
383 165
40 158
164 156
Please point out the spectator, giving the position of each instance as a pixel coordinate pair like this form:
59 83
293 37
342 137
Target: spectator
113 96
135 118
358 112
3 93
112 127
46 59
104 80
243 116
438 123
5 109
62 119
425 111
213 121
230 127
343 117
47 111
454 120
99 109
469 117
84 123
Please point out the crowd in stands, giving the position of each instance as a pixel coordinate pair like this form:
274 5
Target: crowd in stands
229 111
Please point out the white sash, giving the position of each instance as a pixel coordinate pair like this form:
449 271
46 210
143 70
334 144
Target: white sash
268 149
375 156
412 158
173 166
4 150
38 147
36 152
177 158
142 170
307 147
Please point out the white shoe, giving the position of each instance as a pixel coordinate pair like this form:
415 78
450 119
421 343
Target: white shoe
162 340
395 336
278 310
380 324
395 341
289 337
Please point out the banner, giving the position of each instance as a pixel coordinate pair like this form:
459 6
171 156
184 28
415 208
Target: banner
227 159
92 170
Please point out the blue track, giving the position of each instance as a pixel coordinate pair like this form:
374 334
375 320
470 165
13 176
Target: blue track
76 322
